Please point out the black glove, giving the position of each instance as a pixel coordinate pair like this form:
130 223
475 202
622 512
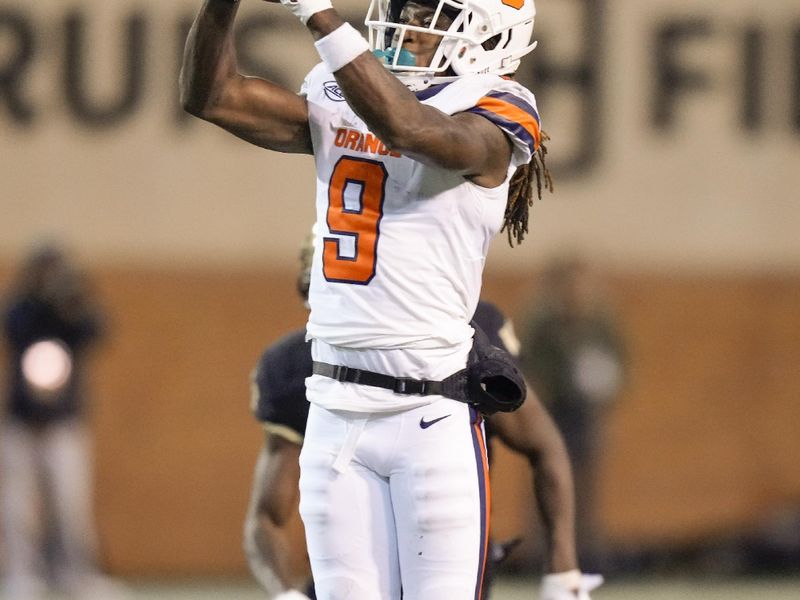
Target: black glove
494 383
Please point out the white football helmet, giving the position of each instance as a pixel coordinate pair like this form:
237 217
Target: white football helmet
485 36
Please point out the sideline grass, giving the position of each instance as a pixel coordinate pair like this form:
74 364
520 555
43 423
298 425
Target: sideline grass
517 589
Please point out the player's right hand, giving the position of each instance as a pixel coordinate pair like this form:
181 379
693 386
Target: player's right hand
570 585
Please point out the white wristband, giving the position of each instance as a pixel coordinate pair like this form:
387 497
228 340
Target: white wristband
305 9
341 46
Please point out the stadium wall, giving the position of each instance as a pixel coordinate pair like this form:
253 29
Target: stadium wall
675 129
701 444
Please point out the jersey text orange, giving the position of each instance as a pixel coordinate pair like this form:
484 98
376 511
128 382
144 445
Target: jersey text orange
361 142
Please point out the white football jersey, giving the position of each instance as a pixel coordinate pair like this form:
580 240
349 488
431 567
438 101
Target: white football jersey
401 245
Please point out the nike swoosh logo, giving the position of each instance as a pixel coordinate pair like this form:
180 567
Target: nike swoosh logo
425 424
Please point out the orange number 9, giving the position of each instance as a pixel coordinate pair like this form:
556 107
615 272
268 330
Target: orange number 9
362 182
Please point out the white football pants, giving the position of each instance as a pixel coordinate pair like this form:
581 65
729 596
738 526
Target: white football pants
395 501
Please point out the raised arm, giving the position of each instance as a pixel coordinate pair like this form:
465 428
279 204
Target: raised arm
256 110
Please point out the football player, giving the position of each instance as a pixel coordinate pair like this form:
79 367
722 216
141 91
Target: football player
278 401
425 151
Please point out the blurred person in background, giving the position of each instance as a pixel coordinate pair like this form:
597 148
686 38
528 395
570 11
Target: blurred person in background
273 538
49 323
573 356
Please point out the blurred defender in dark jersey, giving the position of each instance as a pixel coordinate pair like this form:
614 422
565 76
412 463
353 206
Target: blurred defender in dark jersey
272 536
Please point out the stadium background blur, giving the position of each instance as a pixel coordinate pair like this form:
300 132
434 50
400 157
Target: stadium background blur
675 130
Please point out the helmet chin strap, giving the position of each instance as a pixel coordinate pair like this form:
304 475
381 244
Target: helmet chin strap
417 83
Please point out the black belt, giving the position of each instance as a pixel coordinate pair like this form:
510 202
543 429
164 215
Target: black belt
399 385
490 382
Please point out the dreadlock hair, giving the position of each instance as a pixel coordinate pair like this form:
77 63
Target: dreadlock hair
520 193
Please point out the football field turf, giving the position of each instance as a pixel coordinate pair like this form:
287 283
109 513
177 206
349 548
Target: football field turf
519 589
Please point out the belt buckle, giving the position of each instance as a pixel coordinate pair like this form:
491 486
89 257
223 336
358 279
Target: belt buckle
401 385
407 385
341 373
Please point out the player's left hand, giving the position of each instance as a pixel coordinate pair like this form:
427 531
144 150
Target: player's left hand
569 585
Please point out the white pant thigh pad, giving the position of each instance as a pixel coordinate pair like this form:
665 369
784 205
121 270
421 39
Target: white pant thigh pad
440 496
350 529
